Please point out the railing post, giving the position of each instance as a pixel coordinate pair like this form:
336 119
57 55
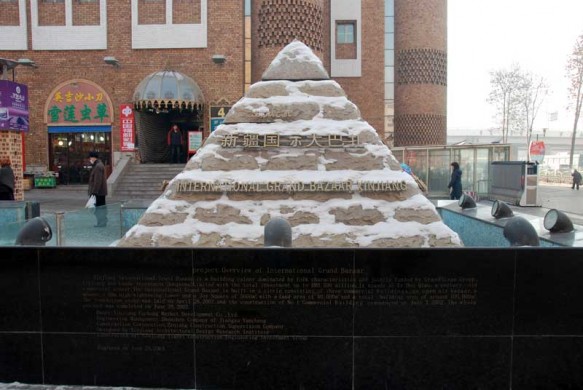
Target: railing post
59 219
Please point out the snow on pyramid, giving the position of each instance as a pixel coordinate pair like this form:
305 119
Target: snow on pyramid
294 147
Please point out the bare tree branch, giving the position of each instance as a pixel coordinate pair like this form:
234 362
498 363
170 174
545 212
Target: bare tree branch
575 75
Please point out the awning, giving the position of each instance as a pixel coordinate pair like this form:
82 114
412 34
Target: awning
167 90
79 129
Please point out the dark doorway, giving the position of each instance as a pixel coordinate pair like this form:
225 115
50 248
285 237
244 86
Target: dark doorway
152 133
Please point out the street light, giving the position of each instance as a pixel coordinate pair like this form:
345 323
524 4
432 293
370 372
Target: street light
8 64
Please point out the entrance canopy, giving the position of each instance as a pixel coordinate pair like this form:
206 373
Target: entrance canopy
167 90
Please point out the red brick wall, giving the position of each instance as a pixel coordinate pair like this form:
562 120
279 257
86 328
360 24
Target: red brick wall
225 36
86 14
420 94
151 12
11 147
186 11
367 91
51 14
9 15
345 51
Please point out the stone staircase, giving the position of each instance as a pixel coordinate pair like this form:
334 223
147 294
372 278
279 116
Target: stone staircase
144 181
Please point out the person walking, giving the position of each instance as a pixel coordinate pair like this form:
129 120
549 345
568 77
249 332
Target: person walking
98 187
576 179
7 180
455 183
175 142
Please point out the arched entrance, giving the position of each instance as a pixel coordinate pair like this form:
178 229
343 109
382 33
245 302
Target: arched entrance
161 100
78 114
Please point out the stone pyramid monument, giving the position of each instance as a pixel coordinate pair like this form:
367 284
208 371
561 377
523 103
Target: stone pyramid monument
294 147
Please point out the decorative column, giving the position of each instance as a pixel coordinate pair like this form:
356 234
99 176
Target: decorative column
275 23
11 147
420 72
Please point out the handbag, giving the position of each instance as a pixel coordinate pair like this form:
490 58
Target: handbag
90 202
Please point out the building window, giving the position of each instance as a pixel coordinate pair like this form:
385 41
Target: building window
345 40
345 32
53 1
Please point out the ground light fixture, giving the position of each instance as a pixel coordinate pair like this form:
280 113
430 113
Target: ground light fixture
501 210
36 232
278 233
557 222
466 202
519 232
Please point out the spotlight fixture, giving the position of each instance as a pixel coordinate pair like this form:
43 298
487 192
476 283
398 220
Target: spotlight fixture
557 222
466 202
501 210
277 233
219 59
110 60
519 232
35 232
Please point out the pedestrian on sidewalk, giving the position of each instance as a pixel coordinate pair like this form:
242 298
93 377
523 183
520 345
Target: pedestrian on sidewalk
98 187
7 180
455 183
576 179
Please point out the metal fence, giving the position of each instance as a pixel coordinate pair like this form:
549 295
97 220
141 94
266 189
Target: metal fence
432 165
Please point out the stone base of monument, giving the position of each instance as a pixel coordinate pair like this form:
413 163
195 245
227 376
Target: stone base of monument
292 318
294 147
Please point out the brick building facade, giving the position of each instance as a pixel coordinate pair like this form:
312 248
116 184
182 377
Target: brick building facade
223 46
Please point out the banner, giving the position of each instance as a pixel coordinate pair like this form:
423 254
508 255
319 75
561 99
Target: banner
126 128
537 151
13 106
194 141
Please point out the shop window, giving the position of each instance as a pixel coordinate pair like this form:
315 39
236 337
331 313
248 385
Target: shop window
346 40
68 153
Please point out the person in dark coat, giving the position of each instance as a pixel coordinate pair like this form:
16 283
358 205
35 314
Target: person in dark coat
175 142
98 187
576 179
456 181
7 180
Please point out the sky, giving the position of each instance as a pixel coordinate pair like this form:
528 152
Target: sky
484 36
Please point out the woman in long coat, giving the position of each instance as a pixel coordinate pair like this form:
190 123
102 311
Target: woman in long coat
456 181
6 180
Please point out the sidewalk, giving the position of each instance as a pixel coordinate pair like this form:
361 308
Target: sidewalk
63 198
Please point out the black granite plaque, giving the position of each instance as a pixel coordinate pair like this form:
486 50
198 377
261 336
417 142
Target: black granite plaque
547 362
111 291
273 292
274 363
292 318
19 305
432 363
112 360
21 357
433 292
549 292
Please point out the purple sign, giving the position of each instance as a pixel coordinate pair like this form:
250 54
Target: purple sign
13 106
